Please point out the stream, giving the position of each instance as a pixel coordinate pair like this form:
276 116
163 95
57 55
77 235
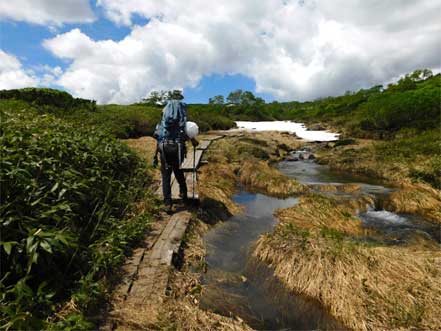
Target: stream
230 289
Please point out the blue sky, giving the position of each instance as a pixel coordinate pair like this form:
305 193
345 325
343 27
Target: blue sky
117 51
24 40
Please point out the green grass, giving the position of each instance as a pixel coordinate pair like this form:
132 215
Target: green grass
420 151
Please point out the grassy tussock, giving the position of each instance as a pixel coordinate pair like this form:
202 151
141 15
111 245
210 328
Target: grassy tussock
258 175
365 286
316 212
416 199
218 185
412 164
243 160
345 188
410 157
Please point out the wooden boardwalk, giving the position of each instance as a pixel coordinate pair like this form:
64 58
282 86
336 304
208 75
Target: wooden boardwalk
136 301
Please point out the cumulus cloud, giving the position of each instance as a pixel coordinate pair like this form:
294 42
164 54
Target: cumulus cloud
12 74
52 12
292 49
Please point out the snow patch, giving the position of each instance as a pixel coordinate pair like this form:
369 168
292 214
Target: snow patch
287 126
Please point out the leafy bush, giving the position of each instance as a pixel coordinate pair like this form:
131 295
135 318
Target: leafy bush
394 110
65 192
48 97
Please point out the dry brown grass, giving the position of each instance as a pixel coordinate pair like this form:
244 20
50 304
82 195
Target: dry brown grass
315 212
412 197
366 286
259 176
249 158
416 199
235 160
217 185
144 146
346 188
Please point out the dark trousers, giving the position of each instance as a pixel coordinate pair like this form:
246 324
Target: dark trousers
172 155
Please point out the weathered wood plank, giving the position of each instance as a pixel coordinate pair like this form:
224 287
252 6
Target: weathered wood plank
192 184
187 165
204 144
189 176
212 138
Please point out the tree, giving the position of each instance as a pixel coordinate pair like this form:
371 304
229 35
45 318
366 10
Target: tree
234 97
154 98
161 97
420 74
216 100
246 98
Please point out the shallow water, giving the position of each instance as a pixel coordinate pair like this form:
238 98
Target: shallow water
311 173
233 288
401 227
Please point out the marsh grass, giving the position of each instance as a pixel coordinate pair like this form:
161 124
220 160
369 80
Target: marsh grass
418 199
260 176
366 286
243 160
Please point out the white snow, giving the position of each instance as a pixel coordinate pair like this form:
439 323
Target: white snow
298 128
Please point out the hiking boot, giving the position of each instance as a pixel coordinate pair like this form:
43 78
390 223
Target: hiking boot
183 196
168 207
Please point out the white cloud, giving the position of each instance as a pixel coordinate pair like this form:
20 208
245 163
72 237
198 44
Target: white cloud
52 12
293 50
12 75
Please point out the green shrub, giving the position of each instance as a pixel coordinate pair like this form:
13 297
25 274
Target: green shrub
65 192
48 97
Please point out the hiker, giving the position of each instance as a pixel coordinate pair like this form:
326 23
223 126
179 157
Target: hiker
171 138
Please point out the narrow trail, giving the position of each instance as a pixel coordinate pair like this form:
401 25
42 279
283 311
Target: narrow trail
136 300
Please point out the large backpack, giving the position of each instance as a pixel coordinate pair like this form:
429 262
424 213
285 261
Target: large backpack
174 117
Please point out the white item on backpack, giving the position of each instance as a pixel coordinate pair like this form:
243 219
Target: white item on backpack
191 129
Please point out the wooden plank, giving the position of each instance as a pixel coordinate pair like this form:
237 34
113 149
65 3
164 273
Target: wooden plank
190 186
172 182
149 289
204 144
212 138
187 165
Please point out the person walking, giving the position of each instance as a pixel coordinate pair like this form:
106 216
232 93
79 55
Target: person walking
171 137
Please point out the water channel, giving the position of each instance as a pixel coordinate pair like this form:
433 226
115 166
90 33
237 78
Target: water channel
231 290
